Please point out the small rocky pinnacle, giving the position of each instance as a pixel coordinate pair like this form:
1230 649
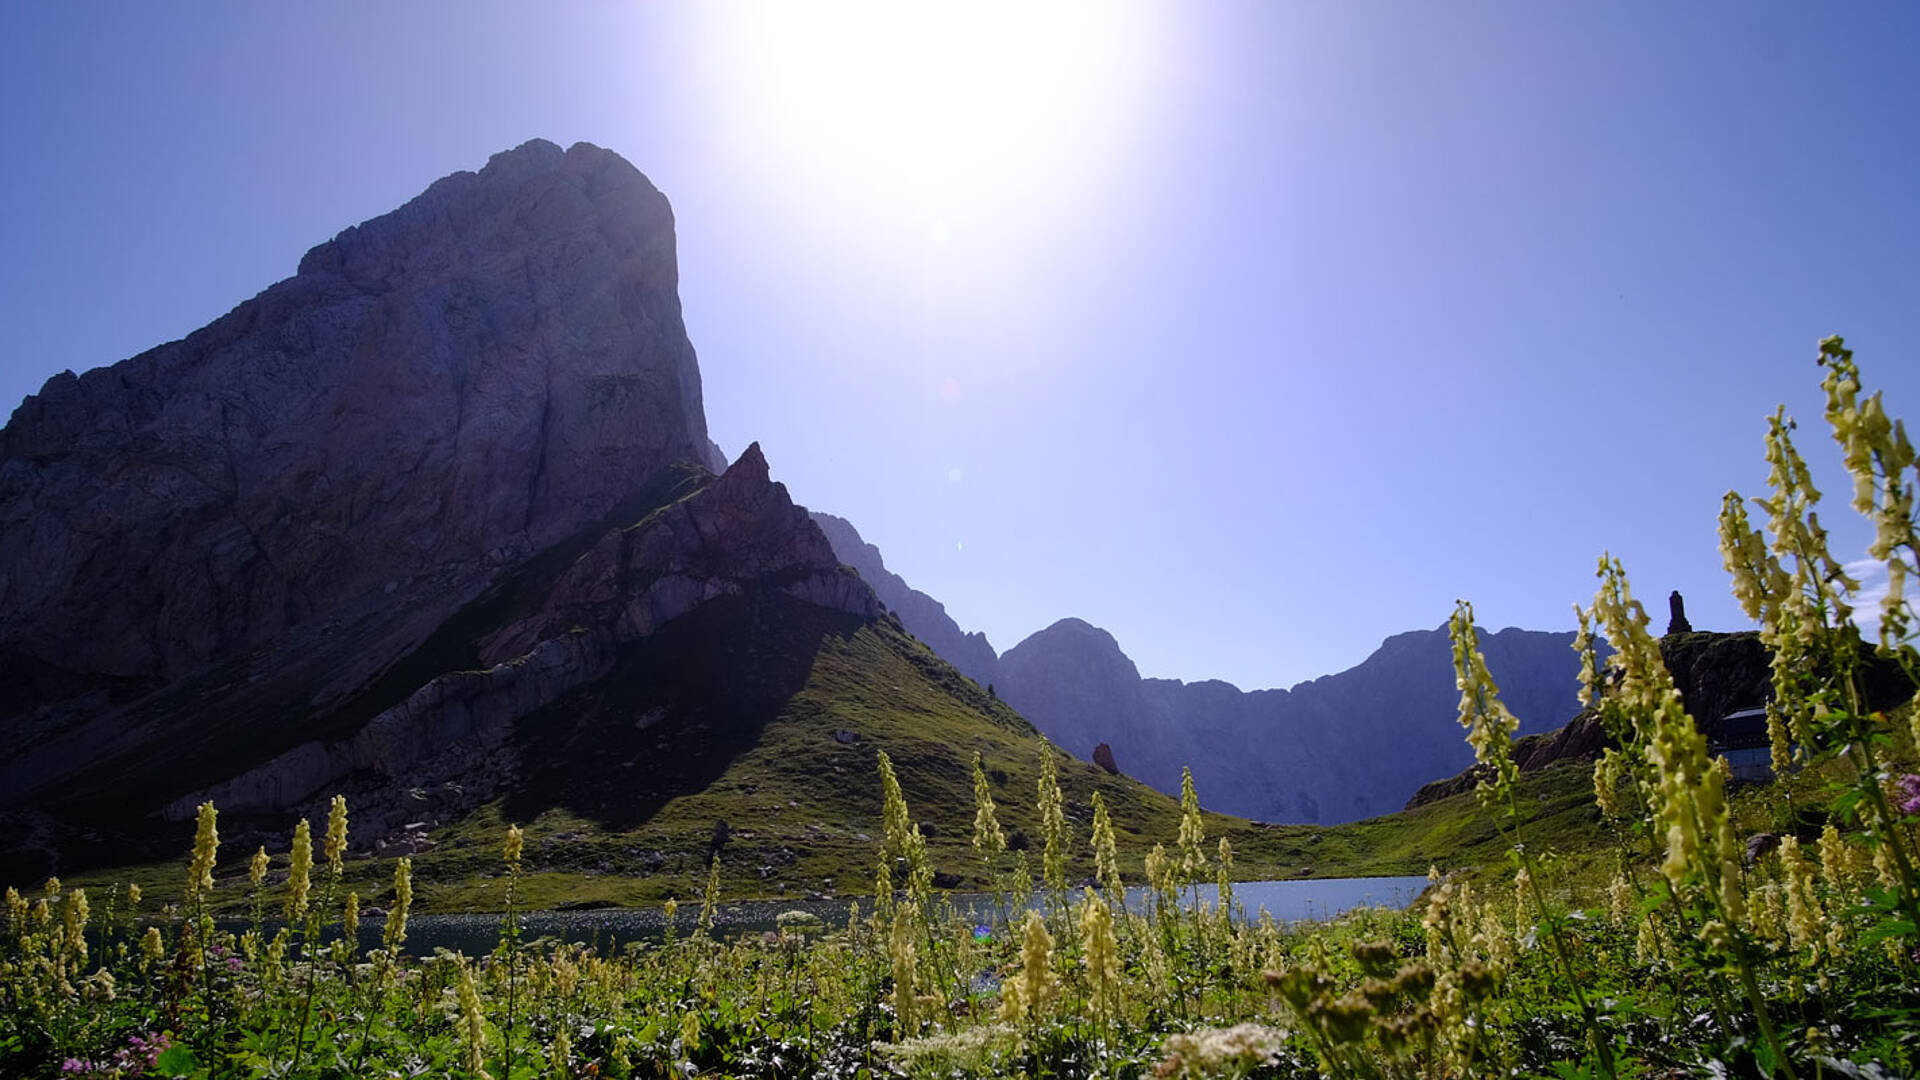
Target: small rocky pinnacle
1677 607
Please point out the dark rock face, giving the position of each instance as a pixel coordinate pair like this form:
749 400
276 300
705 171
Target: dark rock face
741 531
922 615
456 384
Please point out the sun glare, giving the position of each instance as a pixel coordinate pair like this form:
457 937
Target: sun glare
931 96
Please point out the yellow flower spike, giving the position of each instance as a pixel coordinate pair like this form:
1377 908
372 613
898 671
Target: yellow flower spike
900 951
257 867
1606 782
206 844
988 838
1490 726
334 845
1837 860
1193 834
1105 986
1159 870
895 820
1106 860
1804 915
511 848
1037 983
1733 891
1053 821
300 871
1620 903
472 1026
75 913
1589 656
394 934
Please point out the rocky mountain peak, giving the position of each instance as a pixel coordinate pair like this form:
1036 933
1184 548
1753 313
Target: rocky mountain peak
437 394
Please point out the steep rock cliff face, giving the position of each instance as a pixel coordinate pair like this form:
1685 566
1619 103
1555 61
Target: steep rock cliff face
456 384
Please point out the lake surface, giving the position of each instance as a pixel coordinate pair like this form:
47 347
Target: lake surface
611 928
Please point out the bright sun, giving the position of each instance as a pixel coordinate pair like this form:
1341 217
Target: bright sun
931 95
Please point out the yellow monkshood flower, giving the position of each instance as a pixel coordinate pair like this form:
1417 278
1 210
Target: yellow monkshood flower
1053 821
1589 656
1105 986
988 838
472 1026
1489 725
511 848
300 871
257 867
334 845
1606 782
1106 860
1804 914
904 961
1878 454
206 844
894 819
1036 981
394 934
1193 832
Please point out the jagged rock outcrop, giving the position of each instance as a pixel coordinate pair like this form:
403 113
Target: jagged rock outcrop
456 384
739 533
1580 739
1103 757
922 615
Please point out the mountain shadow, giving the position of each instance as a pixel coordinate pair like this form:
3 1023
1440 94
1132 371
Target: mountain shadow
675 713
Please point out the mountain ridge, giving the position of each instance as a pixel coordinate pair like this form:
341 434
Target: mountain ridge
1272 754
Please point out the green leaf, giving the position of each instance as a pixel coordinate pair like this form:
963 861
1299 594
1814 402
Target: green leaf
176 1061
1887 928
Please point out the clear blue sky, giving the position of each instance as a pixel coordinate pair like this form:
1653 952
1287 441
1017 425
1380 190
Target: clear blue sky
1251 332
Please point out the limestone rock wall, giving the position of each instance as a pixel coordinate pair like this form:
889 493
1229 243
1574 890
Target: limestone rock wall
457 383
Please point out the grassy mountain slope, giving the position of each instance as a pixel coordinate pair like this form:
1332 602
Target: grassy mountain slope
766 713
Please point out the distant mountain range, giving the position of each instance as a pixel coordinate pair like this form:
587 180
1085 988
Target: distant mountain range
1341 747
